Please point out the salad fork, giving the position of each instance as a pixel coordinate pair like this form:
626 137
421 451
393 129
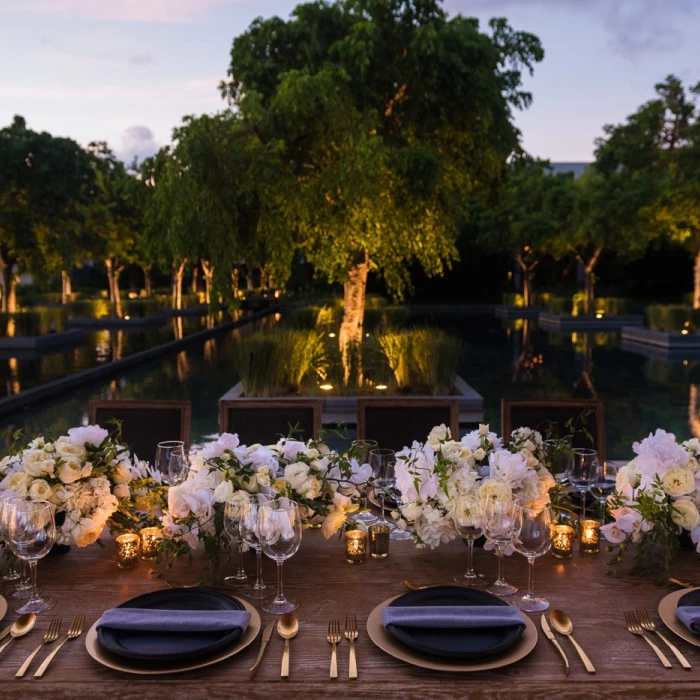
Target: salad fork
648 624
74 631
351 634
634 627
51 635
334 638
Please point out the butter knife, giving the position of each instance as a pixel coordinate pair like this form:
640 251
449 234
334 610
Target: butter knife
5 632
550 635
267 634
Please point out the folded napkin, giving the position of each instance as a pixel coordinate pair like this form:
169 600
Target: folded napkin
453 616
151 620
690 617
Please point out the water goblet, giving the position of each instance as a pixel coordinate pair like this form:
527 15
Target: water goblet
582 470
603 483
499 521
178 467
360 449
532 537
280 527
164 452
32 531
382 463
12 576
468 521
248 524
232 525
20 578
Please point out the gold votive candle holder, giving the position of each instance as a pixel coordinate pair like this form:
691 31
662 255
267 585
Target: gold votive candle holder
379 541
150 538
563 541
355 546
590 536
128 550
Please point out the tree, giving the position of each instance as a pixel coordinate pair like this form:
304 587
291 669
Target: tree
388 114
536 207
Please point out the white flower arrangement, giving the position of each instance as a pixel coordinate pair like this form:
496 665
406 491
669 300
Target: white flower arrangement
437 478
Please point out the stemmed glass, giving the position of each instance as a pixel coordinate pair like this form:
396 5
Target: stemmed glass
360 449
164 452
12 576
603 484
499 521
532 537
178 467
248 522
468 519
20 578
582 470
32 531
279 524
382 463
232 525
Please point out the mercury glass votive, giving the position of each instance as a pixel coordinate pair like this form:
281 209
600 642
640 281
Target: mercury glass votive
150 537
355 546
563 541
590 536
127 551
379 541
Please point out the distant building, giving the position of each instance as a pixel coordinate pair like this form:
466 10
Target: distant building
575 168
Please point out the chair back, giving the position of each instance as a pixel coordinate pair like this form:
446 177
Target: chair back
265 420
395 424
536 414
145 423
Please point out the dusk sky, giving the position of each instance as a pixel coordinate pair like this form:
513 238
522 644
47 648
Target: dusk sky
125 71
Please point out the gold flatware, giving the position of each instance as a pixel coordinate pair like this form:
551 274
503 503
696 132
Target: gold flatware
266 636
634 627
74 631
648 624
287 628
683 584
21 626
413 586
5 632
334 638
51 635
550 635
563 624
351 634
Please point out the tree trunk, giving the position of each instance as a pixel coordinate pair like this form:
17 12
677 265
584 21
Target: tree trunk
350 335
147 281
113 272
7 281
589 279
235 275
696 282
178 274
195 279
249 280
527 279
66 288
694 410
208 271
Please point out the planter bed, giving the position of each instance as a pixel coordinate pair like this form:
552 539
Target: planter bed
42 342
191 311
660 345
109 323
513 312
567 323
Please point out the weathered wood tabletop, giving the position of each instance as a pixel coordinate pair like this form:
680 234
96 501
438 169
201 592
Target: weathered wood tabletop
88 581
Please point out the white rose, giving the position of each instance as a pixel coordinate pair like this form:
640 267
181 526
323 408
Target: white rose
121 475
296 474
333 522
86 532
411 511
69 471
493 490
311 488
678 482
438 434
18 482
483 430
627 476
44 467
40 490
479 454
685 513
64 448
121 491
223 492
263 476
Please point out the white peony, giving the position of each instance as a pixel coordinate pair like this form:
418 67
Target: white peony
91 434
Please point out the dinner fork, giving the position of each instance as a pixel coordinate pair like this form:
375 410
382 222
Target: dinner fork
648 624
351 635
334 638
634 627
74 631
51 635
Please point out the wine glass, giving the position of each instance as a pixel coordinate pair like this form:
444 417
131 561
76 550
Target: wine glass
603 483
532 537
559 458
382 463
279 525
32 531
178 467
582 470
360 449
468 519
232 525
499 521
20 578
163 453
248 523
12 576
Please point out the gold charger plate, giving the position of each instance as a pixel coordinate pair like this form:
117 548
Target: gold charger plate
3 606
400 651
667 613
129 666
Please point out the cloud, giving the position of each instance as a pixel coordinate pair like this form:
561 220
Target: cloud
143 60
137 142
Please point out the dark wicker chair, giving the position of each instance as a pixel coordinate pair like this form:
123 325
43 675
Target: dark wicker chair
395 424
145 423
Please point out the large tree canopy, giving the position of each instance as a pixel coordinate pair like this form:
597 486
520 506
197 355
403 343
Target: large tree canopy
389 114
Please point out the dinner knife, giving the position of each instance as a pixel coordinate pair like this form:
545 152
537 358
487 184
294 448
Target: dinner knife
5 632
267 634
550 635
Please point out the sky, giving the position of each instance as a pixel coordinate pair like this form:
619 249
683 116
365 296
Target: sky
126 71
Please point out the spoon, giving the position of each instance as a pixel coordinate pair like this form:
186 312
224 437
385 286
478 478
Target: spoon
413 586
287 628
20 627
562 623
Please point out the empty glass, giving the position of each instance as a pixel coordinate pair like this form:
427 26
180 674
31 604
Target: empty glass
468 519
603 483
248 523
499 521
582 470
32 532
532 537
279 524
232 525
12 576
382 463
163 453
19 575
360 449
178 467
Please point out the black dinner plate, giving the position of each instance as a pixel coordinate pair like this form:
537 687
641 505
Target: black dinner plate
172 646
690 599
454 643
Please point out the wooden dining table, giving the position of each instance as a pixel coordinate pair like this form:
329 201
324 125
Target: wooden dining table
593 593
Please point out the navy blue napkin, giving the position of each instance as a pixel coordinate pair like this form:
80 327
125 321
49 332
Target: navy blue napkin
154 620
690 617
453 617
